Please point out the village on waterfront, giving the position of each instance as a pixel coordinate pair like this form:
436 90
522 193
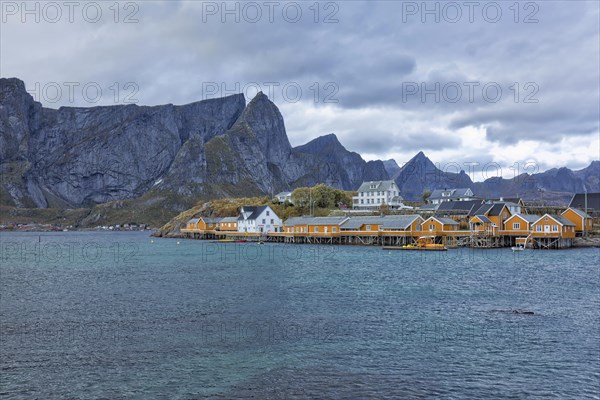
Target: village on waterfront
454 217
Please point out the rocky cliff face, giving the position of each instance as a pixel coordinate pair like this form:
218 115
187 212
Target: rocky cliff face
168 157
336 166
83 156
420 174
73 157
391 167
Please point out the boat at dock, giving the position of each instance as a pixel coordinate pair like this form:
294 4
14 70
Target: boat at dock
424 243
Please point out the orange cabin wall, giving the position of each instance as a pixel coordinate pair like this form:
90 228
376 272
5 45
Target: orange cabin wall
563 231
577 220
311 228
523 225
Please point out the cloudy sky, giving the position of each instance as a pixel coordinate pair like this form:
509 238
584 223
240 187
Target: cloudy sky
516 84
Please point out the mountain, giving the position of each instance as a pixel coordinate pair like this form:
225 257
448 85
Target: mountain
166 157
83 156
554 185
147 163
420 174
391 167
336 166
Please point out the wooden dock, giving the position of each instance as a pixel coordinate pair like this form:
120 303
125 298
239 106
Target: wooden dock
450 239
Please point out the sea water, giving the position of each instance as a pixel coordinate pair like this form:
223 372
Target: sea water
123 315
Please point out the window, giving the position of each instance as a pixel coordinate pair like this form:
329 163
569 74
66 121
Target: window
362 201
316 229
334 230
272 220
264 221
538 228
368 227
554 228
431 227
267 213
516 225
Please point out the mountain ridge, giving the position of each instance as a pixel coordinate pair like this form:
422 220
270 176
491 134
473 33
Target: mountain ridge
168 157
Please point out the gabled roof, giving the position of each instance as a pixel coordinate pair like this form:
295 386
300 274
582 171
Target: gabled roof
399 221
593 201
491 210
484 209
254 210
354 223
193 221
578 212
380 185
386 222
228 219
558 218
483 218
280 194
445 221
496 209
450 193
210 220
563 220
294 221
530 218
466 207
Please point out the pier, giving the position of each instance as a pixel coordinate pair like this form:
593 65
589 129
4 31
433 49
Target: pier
451 239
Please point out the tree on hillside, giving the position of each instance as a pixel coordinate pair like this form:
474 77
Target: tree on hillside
301 197
425 195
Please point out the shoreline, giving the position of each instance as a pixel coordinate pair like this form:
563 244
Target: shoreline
578 243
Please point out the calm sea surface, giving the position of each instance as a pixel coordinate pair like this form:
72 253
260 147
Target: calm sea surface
120 315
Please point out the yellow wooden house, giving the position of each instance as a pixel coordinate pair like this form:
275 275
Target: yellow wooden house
228 224
553 226
439 225
480 224
314 226
325 226
192 224
385 225
582 221
519 224
497 213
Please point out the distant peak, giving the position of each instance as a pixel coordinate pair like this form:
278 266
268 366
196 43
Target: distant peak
420 156
330 137
14 82
321 143
260 96
324 140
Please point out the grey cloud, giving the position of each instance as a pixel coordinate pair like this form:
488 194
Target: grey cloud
371 54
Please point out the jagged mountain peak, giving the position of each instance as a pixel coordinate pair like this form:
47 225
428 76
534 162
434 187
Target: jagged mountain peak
391 167
322 144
